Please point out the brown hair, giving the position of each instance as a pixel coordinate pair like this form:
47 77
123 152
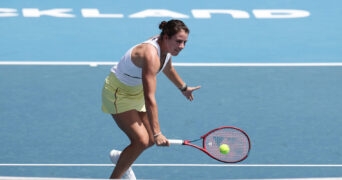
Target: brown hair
172 27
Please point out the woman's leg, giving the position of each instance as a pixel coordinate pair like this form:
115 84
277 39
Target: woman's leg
137 127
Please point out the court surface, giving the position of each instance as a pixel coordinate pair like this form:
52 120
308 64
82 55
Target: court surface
271 68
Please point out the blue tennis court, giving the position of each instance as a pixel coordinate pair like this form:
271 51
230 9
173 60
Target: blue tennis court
271 68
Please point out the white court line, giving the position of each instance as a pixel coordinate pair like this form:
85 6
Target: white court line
106 63
175 165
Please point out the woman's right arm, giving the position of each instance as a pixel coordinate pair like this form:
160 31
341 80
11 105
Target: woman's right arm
150 67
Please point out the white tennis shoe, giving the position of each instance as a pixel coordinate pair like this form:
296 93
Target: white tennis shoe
114 156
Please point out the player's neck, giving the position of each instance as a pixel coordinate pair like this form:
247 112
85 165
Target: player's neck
163 50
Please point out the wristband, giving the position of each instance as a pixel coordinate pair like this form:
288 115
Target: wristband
156 135
184 88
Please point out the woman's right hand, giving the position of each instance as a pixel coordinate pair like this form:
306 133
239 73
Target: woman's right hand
161 140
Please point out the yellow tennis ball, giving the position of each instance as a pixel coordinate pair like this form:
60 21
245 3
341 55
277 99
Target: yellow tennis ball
224 149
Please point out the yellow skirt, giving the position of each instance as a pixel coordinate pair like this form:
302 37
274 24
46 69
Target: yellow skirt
118 97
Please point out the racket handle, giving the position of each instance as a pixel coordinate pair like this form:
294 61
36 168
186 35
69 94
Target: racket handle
176 141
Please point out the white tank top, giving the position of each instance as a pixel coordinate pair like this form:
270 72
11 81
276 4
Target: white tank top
130 74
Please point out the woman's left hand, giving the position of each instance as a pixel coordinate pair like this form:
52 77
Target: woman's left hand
188 92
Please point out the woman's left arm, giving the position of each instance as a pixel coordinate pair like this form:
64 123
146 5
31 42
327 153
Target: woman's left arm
173 76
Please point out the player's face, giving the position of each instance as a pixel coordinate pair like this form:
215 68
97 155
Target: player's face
177 42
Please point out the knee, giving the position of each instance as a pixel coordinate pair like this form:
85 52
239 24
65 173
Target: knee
143 143
151 143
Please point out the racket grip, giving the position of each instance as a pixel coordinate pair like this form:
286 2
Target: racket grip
176 141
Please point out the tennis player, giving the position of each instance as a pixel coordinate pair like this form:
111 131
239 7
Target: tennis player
130 88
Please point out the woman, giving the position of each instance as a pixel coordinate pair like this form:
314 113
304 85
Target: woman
130 89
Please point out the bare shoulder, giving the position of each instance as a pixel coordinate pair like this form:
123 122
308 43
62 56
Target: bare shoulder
144 53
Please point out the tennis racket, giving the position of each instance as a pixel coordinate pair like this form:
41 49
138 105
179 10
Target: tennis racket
237 140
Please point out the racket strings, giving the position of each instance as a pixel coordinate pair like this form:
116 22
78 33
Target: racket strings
237 141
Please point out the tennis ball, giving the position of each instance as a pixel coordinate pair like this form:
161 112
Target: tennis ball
224 149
